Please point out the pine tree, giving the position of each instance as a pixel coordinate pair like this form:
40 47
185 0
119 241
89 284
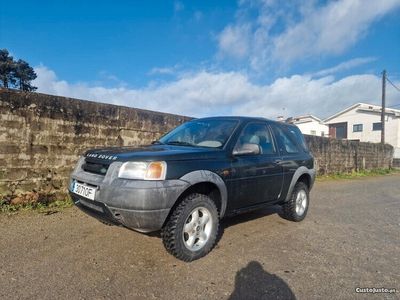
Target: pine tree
15 74
7 69
24 74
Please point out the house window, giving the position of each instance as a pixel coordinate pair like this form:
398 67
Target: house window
313 132
357 127
377 126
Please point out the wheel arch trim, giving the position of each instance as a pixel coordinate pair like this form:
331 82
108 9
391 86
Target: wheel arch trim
299 172
205 176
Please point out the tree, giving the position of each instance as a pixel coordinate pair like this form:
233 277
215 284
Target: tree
24 74
7 69
18 74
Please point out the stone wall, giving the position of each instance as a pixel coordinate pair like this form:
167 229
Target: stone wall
336 156
41 136
396 163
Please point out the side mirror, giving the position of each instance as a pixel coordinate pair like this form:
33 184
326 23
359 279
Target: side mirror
247 149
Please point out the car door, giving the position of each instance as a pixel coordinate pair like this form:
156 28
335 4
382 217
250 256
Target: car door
293 151
258 177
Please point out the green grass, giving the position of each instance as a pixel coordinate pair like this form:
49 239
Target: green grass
55 206
359 174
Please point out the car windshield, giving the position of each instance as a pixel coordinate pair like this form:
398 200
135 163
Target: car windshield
201 133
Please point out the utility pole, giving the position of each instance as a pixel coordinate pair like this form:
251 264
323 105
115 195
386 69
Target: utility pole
383 106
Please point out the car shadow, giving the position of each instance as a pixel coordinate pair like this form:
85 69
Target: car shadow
236 219
246 217
250 216
253 282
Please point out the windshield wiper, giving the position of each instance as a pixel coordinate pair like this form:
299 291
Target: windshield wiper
157 142
180 143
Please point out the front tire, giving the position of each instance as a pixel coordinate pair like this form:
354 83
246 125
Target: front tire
296 208
191 229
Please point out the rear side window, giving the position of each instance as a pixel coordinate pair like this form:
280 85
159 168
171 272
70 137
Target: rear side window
298 136
290 139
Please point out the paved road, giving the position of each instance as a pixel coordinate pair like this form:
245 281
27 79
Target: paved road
349 239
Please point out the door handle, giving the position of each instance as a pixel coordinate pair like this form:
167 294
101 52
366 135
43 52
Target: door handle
277 161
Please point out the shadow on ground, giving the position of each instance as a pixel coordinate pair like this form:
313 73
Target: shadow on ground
245 217
236 219
253 282
250 216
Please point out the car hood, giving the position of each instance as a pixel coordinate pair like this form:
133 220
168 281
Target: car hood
152 152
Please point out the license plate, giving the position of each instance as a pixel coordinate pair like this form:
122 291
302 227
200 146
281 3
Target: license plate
83 190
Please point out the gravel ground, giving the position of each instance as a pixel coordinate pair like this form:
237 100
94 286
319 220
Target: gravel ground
349 239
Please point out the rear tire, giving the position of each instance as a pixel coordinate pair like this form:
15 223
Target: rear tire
295 209
191 229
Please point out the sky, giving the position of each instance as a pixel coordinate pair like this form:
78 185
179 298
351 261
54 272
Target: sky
264 58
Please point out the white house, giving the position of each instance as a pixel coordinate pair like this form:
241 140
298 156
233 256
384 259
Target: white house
363 122
310 124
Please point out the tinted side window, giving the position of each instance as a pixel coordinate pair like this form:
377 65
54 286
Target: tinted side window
294 130
257 133
287 140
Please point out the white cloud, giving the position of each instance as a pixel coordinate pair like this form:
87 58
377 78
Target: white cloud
104 75
283 32
346 65
178 6
297 95
224 93
330 29
163 71
234 40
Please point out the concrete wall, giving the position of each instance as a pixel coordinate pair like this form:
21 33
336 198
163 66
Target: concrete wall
41 137
332 155
396 162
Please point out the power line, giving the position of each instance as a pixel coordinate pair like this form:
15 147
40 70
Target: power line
397 88
392 84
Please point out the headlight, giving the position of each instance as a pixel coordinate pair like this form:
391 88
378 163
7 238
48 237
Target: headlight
79 164
155 170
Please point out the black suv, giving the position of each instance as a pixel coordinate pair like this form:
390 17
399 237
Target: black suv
187 181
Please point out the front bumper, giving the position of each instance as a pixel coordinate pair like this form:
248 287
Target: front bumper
140 220
137 204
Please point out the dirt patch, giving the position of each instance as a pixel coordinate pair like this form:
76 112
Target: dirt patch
349 239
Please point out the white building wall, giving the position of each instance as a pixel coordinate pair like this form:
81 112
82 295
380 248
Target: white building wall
397 149
309 127
352 117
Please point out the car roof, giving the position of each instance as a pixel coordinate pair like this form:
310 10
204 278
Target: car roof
238 118
244 119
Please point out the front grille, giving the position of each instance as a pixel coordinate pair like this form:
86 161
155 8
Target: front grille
95 167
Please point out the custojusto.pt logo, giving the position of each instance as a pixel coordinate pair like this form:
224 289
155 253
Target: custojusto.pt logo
375 290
